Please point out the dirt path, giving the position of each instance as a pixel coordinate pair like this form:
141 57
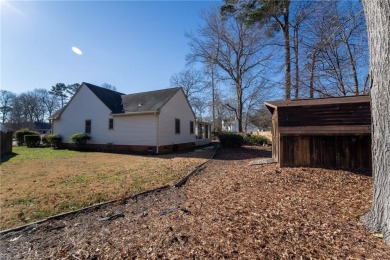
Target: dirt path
229 210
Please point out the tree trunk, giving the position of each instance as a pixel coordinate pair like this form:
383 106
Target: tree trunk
312 71
353 67
378 24
296 56
287 57
239 110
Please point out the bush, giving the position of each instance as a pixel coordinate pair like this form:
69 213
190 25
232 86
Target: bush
53 140
255 140
80 139
32 140
19 135
234 140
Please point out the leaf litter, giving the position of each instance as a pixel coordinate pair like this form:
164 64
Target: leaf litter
228 210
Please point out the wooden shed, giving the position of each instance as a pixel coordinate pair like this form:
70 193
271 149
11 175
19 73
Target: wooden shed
325 132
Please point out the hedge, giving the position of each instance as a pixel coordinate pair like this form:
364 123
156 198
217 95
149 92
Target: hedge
234 140
53 140
80 139
255 140
32 140
19 135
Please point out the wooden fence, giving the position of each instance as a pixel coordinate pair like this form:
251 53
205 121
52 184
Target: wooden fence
6 142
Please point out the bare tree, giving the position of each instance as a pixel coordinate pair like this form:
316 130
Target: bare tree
239 51
191 81
48 102
108 86
261 118
6 101
303 11
275 13
194 86
378 24
336 49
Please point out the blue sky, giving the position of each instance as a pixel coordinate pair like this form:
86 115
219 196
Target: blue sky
133 45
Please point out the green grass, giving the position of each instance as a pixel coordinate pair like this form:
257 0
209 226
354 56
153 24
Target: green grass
22 153
22 201
40 182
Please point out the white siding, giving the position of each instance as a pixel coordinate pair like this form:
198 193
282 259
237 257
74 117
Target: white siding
84 106
134 130
129 130
176 107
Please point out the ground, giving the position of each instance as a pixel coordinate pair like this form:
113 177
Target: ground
40 182
228 210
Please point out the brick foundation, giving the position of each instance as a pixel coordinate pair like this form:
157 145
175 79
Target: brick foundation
132 148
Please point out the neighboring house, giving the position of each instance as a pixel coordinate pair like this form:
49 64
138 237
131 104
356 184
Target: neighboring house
325 132
41 127
203 133
155 121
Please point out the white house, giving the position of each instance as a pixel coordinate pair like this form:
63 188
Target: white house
155 121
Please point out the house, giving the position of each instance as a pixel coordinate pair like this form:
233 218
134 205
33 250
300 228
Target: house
326 132
155 121
40 127
203 133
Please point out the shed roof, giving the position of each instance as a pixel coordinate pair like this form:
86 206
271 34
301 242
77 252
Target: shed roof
317 101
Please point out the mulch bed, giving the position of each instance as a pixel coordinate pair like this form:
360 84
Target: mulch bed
228 210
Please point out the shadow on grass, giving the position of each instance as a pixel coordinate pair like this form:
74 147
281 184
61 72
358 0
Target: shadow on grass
243 153
7 157
195 152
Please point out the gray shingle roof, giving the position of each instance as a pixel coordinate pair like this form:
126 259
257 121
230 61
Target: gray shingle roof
120 103
150 101
110 98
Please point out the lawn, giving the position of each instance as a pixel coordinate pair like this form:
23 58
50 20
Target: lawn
40 182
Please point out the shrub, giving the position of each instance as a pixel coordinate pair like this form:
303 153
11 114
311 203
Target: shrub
44 140
32 140
19 135
54 140
234 140
80 139
255 140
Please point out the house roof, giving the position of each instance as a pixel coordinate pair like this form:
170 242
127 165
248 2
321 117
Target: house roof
317 101
120 103
110 98
56 114
150 101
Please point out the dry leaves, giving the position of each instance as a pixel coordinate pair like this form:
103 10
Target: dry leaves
228 210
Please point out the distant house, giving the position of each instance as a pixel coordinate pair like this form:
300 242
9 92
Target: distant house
40 127
326 132
155 121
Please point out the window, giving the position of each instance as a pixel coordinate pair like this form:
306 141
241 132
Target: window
206 131
177 126
111 123
88 126
191 127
